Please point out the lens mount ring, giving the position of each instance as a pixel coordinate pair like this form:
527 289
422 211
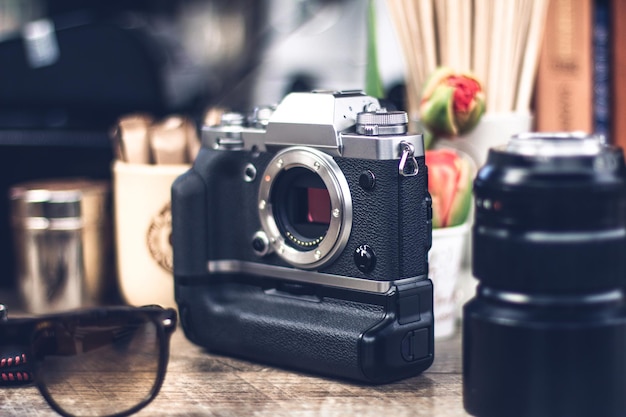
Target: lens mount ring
556 144
340 224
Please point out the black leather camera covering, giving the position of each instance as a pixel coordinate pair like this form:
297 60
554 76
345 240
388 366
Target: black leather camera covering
215 215
327 331
370 337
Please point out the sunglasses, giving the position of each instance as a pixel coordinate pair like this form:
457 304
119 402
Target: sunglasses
108 361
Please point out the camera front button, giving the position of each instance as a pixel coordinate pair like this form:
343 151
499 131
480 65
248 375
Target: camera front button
367 180
261 244
365 258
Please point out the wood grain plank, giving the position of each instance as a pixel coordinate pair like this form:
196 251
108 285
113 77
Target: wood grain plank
203 384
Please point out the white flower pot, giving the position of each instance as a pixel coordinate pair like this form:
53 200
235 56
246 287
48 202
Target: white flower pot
494 129
445 259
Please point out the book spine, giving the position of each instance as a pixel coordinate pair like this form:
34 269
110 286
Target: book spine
602 68
618 75
564 90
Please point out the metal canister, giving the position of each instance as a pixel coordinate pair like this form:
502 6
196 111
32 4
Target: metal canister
63 243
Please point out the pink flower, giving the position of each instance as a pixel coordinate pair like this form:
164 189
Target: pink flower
450 178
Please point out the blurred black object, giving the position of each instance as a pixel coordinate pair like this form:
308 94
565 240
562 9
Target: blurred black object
544 333
117 57
66 79
102 71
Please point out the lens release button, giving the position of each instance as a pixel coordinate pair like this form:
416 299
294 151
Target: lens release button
261 244
365 258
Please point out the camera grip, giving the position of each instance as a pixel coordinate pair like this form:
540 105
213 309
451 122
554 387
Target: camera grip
200 197
189 238
326 331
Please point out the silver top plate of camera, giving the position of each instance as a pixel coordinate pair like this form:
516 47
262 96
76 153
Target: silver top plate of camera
324 120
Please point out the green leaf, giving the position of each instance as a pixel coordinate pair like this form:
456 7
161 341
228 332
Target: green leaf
373 83
436 113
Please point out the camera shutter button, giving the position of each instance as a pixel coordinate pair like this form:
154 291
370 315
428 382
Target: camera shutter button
365 258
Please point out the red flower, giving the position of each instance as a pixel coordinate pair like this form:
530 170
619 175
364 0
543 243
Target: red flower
465 90
451 103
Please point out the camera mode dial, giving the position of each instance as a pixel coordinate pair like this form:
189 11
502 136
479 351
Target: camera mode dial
382 122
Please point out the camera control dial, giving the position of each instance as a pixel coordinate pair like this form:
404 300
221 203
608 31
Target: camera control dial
382 122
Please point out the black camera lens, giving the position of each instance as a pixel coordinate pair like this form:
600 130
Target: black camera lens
545 334
550 215
301 205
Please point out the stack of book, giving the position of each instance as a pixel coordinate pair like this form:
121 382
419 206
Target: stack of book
579 86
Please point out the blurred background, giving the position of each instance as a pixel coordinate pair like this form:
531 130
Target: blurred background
70 69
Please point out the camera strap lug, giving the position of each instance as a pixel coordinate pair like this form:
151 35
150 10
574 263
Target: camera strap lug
407 160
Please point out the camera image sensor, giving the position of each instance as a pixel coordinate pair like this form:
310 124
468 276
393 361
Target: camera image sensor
318 203
301 206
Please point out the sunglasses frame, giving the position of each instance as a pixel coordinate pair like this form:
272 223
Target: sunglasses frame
21 332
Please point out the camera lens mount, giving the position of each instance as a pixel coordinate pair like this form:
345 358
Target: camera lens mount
305 207
558 144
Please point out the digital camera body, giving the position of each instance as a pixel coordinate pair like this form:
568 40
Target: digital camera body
301 239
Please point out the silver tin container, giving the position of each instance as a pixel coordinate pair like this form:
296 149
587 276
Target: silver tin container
63 243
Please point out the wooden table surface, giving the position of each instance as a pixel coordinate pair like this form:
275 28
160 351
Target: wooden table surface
203 384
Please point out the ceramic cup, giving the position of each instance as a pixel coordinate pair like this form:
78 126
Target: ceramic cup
143 226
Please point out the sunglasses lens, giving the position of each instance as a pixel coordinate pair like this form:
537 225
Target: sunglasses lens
99 367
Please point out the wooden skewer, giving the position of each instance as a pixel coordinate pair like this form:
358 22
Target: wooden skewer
499 40
426 17
506 63
531 55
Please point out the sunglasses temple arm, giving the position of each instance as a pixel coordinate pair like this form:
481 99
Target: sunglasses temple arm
14 369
